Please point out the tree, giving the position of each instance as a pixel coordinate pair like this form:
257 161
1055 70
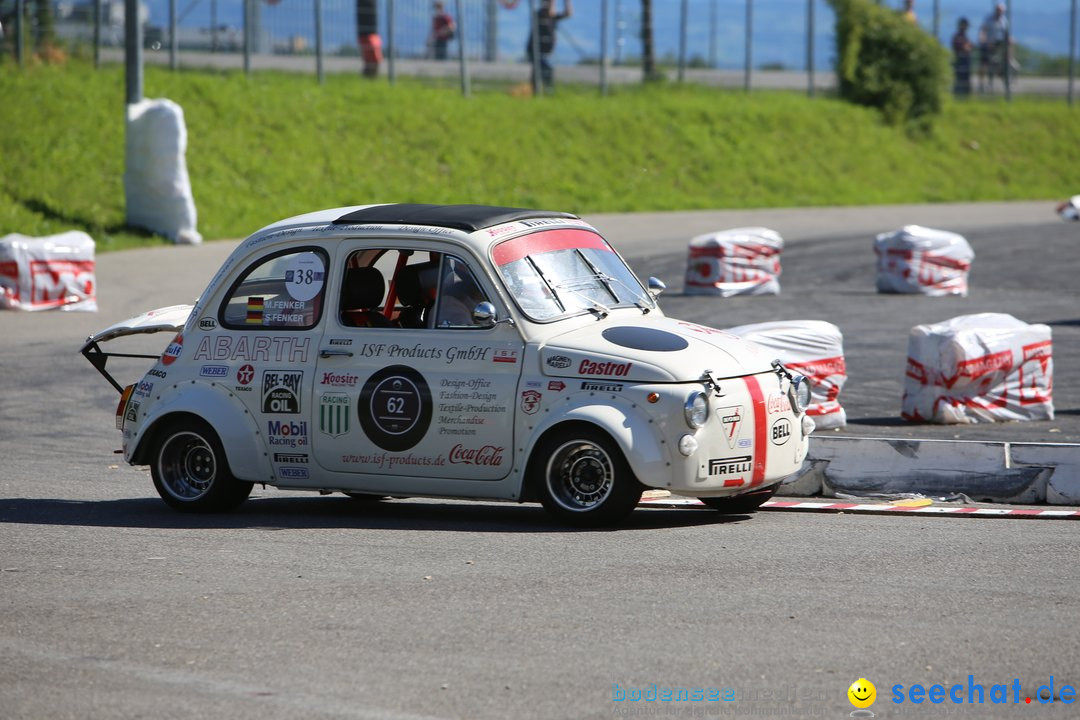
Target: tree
889 63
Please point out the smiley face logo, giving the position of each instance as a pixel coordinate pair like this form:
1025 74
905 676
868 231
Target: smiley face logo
862 693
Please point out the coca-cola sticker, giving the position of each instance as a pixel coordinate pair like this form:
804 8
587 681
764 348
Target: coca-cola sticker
488 455
395 408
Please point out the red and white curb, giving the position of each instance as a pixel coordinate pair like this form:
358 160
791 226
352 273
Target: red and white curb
879 508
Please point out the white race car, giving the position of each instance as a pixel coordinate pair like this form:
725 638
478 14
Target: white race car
460 351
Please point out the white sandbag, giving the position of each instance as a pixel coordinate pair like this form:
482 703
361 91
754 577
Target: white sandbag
1070 209
988 367
743 261
923 261
814 348
55 272
156 183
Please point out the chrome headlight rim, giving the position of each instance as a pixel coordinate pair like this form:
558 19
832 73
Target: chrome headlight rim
799 393
696 409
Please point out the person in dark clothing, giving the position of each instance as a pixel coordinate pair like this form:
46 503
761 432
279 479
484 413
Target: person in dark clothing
546 21
367 36
961 46
443 30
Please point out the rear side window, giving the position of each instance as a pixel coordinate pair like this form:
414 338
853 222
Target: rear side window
282 291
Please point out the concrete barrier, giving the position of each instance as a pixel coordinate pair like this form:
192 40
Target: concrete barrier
1026 473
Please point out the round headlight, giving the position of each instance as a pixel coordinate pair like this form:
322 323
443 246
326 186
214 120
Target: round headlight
696 409
800 393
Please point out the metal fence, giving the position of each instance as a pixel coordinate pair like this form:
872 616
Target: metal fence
753 43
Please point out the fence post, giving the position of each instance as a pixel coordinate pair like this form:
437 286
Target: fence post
937 20
603 47
319 71
133 59
462 60
619 27
247 36
1006 56
534 38
810 48
174 41
391 43
1072 48
712 34
19 32
213 26
97 34
749 44
682 40
491 36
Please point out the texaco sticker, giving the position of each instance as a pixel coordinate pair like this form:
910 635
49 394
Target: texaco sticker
395 408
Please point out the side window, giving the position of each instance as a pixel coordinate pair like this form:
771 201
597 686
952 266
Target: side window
284 291
459 294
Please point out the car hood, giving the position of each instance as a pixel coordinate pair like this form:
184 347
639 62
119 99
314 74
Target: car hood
164 319
651 349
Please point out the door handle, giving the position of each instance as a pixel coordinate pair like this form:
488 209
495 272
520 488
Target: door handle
325 353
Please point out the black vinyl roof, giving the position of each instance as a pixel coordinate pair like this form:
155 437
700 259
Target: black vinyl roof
459 217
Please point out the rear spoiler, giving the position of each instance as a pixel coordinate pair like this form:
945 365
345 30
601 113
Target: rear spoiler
166 319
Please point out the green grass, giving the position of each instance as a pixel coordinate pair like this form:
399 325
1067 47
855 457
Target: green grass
273 145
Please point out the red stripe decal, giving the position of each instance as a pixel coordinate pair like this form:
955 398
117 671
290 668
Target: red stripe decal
761 441
546 241
732 483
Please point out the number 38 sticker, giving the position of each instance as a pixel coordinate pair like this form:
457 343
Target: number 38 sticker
304 276
395 408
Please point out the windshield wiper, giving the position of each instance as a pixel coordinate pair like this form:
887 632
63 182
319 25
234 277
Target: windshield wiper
594 306
637 297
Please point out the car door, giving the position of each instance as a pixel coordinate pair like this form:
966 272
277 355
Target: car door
414 390
261 345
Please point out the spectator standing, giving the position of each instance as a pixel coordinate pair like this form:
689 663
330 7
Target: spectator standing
909 11
546 21
443 30
994 55
367 37
961 47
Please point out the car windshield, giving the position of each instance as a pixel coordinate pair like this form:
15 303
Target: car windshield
553 273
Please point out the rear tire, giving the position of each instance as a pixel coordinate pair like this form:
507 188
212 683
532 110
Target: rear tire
190 471
583 478
741 504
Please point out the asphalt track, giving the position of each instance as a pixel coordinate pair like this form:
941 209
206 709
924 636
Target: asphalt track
115 607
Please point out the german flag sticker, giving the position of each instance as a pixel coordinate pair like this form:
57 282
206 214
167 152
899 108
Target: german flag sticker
255 311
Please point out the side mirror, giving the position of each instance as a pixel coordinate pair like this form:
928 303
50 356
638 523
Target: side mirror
484 314
656 286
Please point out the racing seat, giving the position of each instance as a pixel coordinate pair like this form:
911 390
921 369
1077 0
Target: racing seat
416 285
363 291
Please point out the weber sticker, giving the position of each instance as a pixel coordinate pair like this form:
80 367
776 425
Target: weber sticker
281 391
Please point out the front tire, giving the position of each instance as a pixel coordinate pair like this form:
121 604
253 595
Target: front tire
583 478
190 471
741 504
